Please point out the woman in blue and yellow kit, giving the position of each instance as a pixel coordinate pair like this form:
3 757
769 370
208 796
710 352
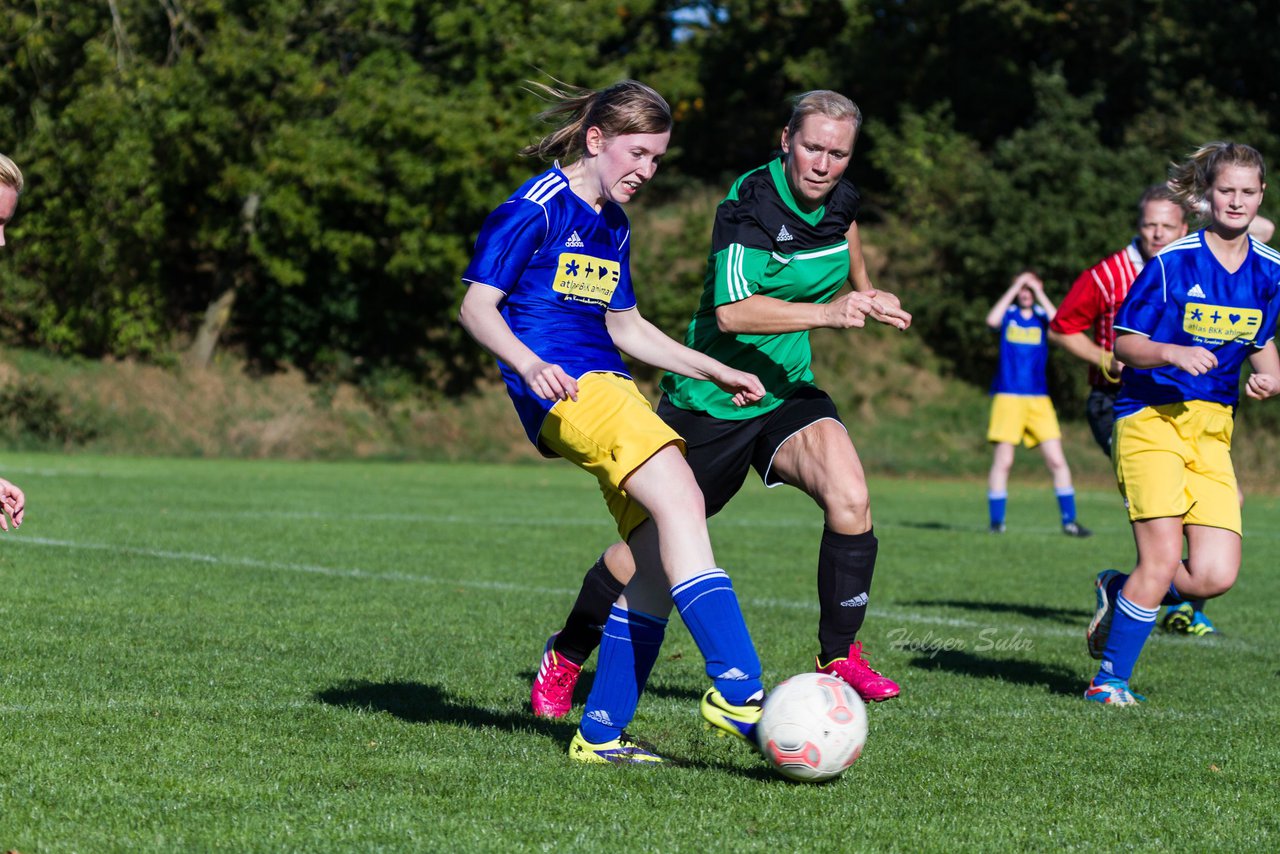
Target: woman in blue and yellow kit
1197 311
549 293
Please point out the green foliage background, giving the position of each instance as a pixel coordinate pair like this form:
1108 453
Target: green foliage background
330 162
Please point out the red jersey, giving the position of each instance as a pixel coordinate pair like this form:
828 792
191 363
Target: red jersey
1094 299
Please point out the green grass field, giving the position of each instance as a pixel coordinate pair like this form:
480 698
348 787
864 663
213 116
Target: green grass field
260 656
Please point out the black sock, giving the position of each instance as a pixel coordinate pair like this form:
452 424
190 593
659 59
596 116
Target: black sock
846 563
581 633
1198 604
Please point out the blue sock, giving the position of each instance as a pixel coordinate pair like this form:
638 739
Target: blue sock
1067 504
710 610
996 502
1173 597
628 650
1130 628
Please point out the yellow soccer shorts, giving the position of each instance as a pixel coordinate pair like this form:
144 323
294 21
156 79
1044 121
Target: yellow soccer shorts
1175 460
610 431
1025 418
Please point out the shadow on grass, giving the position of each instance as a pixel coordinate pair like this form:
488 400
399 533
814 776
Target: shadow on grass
932 526
655 688
1070 616
419 703
1054 679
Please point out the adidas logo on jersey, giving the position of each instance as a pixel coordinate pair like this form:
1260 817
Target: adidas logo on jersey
574 241
783 235
1196 292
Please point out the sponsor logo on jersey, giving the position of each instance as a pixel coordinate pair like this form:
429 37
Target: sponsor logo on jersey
574 241
585 278
783 235
1196 292
1220 322
1016 334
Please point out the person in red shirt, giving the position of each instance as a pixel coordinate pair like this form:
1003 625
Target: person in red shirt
1084 326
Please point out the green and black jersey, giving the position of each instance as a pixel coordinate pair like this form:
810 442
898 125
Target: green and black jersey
764 244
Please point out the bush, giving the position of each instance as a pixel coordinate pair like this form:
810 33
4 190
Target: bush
36 415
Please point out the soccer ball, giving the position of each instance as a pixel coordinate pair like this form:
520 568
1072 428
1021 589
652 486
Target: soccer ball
813 727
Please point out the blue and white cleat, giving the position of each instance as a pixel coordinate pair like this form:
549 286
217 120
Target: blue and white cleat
1100 627
1112 692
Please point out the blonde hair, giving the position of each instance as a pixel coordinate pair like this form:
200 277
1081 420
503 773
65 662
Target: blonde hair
623 108
823 102
1191 179
10 174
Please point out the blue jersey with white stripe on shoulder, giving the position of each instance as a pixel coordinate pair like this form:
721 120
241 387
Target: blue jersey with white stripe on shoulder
1185 296
562 265
1024 353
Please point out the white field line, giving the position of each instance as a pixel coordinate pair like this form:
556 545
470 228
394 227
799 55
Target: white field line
997 628
812 522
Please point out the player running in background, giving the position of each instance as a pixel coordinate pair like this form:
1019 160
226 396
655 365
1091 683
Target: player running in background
1021 410
1090 306
1203 306
784 244
12 502
550 294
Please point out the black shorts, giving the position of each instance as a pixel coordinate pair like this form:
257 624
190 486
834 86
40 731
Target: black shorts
721 451
1100 410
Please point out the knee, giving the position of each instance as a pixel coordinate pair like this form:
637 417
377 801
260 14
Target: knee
679 504
1215 578
849 510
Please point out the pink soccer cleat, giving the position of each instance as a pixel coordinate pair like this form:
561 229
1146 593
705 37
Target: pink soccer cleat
552 694
870 685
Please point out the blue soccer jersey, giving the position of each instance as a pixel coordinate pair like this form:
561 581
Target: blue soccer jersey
1024 353
562 266
1185 296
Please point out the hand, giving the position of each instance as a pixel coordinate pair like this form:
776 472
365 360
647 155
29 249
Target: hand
847 311
1262 386
887 309
745 388
1029 280
1193 360
550 382
12 504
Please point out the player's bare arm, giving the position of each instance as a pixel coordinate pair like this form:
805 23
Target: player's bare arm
996 315
885 307
640 339
1141 352
479 315
1265 380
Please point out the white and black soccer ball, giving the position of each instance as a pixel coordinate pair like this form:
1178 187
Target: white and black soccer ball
813 727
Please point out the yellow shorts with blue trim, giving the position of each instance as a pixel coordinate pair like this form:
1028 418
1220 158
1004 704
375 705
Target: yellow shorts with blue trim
1175 460
610 431
1025 418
